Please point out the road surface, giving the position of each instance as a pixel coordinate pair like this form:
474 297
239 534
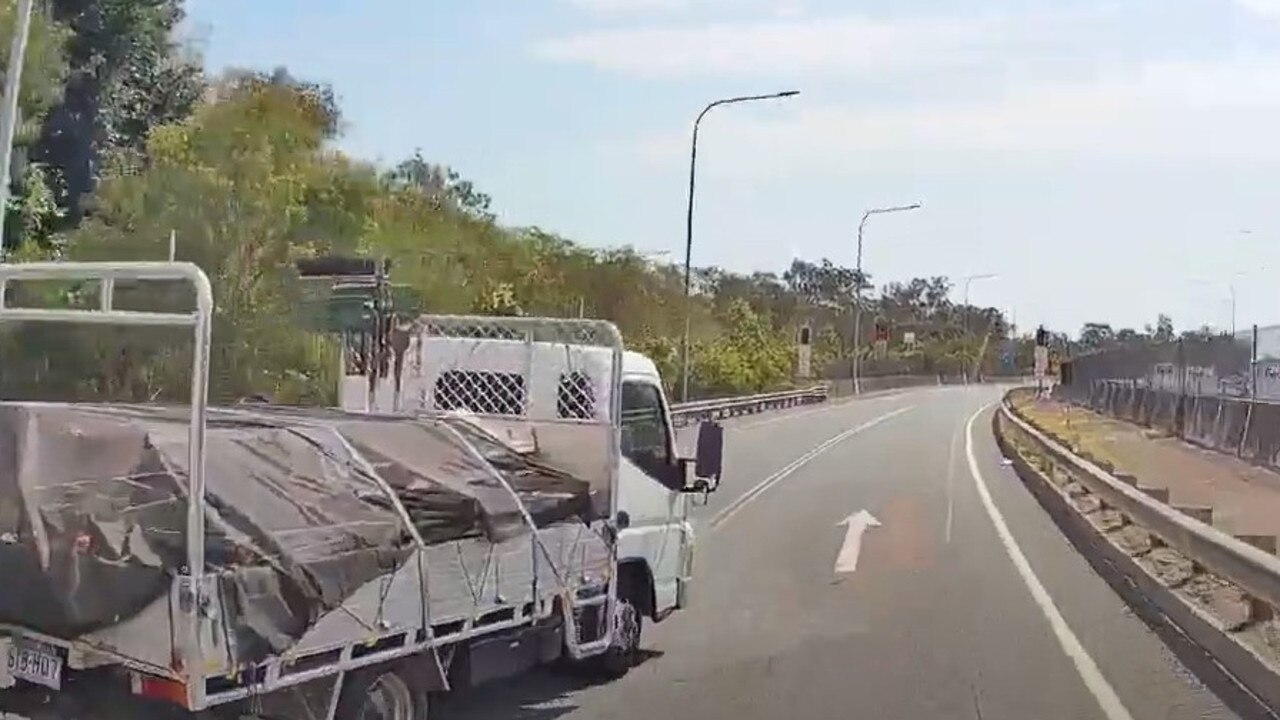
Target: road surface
966 601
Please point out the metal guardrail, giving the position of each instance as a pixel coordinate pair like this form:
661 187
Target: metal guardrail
1252 569
684 413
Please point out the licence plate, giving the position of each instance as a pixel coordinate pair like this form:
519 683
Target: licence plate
35 662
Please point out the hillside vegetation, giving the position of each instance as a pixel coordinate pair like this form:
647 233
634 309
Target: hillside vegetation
125 141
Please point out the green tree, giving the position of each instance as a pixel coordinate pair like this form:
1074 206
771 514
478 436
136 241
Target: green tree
242 181
31 215
442 184
125 76
1096 335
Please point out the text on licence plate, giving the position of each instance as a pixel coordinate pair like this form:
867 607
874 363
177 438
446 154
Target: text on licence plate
36 662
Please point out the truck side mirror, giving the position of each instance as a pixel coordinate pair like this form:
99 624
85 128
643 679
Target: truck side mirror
709 460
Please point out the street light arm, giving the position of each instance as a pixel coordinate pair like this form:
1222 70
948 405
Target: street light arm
693 165
741 99
863 224
895 208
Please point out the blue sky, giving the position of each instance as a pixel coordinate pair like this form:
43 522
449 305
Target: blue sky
1100 156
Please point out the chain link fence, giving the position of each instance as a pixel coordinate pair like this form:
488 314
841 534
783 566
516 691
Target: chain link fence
1245 366
1222 392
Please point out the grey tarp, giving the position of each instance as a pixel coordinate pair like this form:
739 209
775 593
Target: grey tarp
93 507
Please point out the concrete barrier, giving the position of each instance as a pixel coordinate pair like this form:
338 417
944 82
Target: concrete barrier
1231 425
1262 436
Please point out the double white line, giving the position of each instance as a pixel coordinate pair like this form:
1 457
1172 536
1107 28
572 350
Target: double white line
732 508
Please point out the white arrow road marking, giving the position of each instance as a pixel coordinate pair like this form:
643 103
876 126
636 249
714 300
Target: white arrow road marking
857 523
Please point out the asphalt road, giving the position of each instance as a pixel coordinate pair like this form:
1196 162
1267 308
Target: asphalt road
966 601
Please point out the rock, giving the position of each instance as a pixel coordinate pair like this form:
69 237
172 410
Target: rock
1169 566
1107 520
1132 539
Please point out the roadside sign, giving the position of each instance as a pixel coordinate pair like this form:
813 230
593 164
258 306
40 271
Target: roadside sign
804 352
1042 361
804 361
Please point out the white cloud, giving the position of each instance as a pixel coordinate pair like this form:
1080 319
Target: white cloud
835 46
850 44
1220 113
1047 91
1269 9
621 6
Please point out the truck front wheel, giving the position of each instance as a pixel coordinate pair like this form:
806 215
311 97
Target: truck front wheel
628 624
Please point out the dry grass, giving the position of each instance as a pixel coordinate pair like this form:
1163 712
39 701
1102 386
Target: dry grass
1084 431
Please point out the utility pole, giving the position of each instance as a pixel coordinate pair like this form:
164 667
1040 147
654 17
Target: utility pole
9 112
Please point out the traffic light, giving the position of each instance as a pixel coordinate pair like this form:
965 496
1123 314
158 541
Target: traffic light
1042 337
882 331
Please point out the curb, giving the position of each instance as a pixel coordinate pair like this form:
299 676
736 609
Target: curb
1243 679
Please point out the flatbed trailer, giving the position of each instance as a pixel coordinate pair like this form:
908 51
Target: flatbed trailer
463 610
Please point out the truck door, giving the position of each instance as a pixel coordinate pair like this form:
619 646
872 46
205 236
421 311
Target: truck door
655 531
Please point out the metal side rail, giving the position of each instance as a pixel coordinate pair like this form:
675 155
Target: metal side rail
1252 569
686 413
1209 596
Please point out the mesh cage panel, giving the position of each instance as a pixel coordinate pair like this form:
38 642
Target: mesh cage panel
575 396
499 378
591 333
479 391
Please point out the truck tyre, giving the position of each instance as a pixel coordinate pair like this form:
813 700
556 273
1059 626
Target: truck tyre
385 692
624 650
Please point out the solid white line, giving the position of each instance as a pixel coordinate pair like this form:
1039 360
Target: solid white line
1093 679
732 508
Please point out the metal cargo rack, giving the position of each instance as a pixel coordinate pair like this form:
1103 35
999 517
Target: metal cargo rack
194 602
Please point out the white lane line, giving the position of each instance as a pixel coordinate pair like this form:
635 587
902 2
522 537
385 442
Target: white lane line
951 476
1093 679
732 508
832 407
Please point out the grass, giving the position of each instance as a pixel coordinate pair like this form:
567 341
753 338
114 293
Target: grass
1087 433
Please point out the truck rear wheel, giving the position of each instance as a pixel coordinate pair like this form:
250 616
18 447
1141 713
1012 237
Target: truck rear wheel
386 692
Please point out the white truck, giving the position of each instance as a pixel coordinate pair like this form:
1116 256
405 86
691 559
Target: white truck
512 495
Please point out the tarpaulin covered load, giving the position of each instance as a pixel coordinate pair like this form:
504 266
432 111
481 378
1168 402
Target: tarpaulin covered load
93 505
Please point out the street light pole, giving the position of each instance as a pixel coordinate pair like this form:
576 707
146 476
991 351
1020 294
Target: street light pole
9 112
856 363
964 319
965 315
688 231
1233 309
1231 288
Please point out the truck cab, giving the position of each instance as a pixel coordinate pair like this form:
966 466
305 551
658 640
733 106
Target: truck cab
656 537
510 376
